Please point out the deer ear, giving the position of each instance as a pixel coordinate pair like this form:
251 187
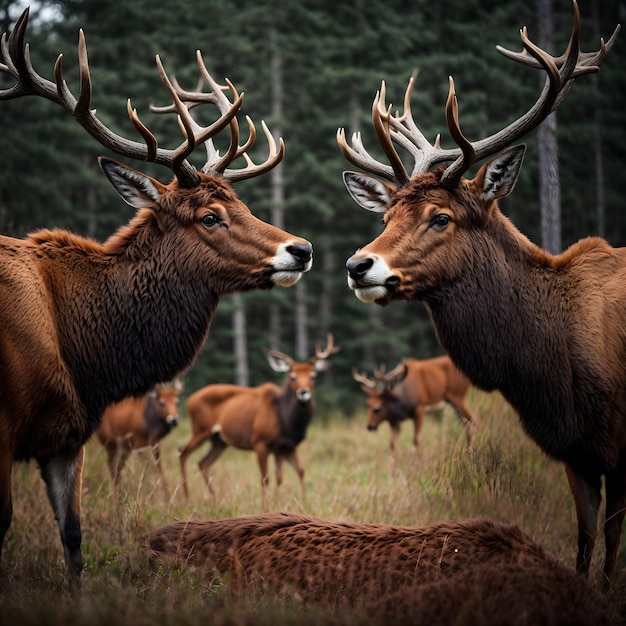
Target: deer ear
278 362
136 188
369 192
497 178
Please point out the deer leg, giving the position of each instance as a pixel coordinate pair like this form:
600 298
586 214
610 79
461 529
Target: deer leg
6 506
418 424
261 454
121 456
63 478
156 455
615 513
294 460
193 444
465 416
587 496
279 469
217 448
393 442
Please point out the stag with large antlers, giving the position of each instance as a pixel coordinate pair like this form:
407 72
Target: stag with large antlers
409 390
85 324
548 331
267 419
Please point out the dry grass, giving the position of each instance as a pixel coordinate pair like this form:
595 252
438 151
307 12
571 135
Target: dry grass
349 475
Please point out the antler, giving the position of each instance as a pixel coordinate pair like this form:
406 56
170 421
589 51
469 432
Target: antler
16 56
392 378
402 130
368 383
330 349
215 164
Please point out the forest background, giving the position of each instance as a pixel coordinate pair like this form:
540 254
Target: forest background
308 68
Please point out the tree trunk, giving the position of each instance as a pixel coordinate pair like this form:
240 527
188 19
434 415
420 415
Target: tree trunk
597 135
240 341
549 183
276 174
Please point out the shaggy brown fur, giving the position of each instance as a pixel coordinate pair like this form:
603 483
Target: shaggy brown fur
466 572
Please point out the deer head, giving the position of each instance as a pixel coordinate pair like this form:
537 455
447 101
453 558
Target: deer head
301 376
428 214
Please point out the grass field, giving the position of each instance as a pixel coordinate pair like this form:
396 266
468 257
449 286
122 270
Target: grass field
349 475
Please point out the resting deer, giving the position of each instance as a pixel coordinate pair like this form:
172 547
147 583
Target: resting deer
548 331
409 390
85 324
136 423
473 571
267 419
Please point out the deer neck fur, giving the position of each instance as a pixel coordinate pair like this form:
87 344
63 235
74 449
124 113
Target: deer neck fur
520 319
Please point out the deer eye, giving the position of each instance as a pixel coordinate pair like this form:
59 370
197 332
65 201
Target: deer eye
441 220
208 220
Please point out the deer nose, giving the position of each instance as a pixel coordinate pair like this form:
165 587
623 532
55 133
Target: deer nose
301 251
357 268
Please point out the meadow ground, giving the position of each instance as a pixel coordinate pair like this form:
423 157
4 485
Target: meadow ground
349 476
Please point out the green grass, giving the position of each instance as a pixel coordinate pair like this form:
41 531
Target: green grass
349 475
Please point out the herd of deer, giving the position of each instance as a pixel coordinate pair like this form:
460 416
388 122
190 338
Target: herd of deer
88 325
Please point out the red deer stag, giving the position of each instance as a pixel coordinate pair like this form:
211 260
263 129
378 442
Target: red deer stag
548 331
457 572
412 387
85 324
267 419
137 423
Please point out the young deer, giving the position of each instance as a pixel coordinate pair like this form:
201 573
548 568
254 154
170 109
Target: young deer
136 423
409 389
267 419
548 331
85 324
474 571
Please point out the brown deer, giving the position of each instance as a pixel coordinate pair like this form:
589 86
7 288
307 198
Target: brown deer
136 423
85 324
267 419
548 331
409 390
473 571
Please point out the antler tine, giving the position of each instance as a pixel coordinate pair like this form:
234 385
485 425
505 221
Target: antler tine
215 163
392 378
274 157
363 379
379 372
357 155
406 133
330 348
194 133
381 118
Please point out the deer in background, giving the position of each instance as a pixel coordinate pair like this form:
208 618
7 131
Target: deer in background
474 571
409 390
136 423
267 419
85 324
548 331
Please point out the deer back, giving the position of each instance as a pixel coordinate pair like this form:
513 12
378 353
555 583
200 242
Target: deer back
392 571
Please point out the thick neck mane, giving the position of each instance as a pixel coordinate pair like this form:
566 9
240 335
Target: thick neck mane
521 319
134 303
294 417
